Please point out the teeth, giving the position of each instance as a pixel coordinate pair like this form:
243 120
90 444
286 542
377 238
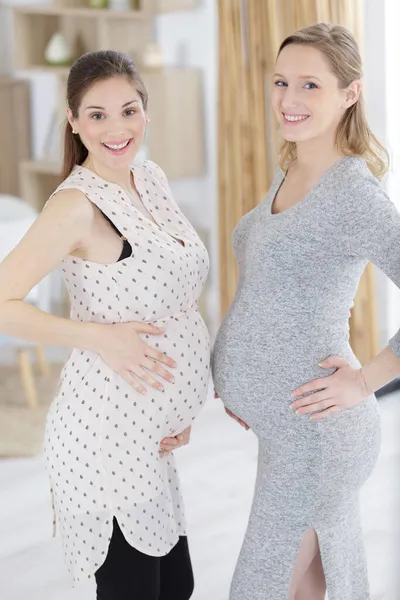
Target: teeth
295 118
115 147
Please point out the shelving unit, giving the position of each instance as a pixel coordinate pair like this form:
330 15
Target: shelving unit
175 138
85 30
38 180
175 142
15 127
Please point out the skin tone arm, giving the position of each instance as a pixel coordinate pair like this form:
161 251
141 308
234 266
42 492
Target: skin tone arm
60 229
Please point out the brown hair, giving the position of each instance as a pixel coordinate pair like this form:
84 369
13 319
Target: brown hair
89 69
354 136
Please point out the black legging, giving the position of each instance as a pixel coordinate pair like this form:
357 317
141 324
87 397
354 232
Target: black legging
128 574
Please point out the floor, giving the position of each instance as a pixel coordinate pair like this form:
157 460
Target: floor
217 470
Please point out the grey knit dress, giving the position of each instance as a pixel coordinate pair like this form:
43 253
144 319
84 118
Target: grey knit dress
298 274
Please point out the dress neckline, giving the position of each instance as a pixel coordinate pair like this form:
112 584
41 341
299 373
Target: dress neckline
136 178
310 194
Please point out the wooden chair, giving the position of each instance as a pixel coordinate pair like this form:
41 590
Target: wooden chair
16 216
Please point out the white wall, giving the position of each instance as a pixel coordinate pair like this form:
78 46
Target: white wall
375 98
390 106
191 37
382 87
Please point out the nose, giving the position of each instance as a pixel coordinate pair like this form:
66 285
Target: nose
289 98
117 126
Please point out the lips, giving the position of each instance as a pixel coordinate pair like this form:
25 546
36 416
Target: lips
117 148
295 118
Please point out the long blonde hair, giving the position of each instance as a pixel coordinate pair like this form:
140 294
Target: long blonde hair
354 137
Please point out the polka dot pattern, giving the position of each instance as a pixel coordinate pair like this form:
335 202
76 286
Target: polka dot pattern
102 437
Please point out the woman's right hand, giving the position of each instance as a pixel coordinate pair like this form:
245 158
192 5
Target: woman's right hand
122 348
230 413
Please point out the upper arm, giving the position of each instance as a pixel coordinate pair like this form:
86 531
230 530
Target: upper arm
375 235
61 227
372 227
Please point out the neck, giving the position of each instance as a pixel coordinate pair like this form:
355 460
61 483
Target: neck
317 154
122 177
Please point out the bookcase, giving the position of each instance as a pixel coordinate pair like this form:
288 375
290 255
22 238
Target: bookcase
175 138
15 128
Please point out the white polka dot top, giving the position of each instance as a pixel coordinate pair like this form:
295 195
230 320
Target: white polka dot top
102 437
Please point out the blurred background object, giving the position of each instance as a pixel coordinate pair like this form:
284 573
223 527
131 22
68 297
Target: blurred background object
15 128
206 64
21 425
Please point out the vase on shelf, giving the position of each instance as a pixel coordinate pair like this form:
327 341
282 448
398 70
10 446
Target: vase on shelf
98 3
152 58
121 5
57 52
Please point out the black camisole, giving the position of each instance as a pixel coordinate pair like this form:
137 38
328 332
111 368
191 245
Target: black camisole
127 248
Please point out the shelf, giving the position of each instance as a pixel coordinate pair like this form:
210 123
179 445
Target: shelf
78 11
175 143
175 137
144 8
84 29
41 167
38 180
15 127
175 5
49 69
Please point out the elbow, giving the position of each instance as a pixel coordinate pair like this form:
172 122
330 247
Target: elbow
6 306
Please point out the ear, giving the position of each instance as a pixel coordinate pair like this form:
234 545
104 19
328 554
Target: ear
352 94
70 117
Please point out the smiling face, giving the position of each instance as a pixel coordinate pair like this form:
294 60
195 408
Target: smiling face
111 122
306 96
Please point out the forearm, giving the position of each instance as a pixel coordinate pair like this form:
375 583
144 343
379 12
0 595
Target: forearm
22 320
382 369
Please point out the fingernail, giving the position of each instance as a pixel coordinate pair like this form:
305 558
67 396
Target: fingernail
172 379
180 437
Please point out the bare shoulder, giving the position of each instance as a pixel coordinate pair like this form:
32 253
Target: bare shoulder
71 206
61 227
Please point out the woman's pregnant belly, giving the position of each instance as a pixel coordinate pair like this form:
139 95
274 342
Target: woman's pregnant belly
92 394
255 374
255 371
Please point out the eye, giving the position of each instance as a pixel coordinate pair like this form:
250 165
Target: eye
311 86
280 83
93 115
130 111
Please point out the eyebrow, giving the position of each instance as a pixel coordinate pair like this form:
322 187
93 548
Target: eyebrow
102 107
301 76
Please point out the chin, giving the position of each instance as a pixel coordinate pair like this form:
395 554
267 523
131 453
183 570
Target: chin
296 137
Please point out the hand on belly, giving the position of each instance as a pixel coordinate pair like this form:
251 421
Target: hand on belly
168 445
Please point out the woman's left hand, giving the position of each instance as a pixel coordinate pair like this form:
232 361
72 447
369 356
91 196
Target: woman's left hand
167 445
346 387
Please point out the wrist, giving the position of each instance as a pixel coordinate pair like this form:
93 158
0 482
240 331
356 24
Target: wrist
365 388
94 336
